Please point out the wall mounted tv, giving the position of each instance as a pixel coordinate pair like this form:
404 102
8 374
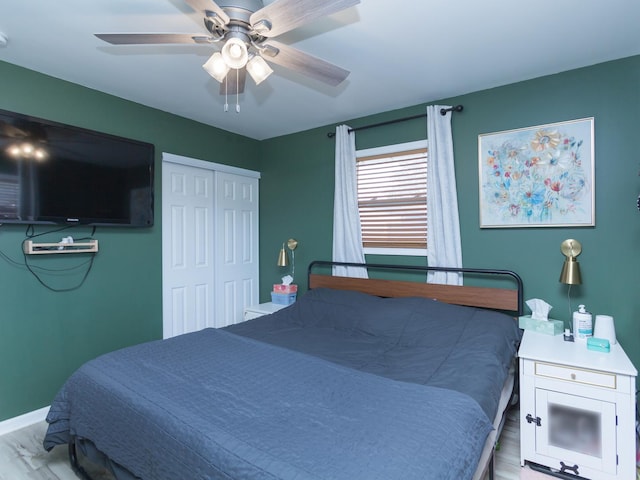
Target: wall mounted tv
57 174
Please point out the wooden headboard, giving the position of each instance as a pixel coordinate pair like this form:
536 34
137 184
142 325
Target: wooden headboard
506 299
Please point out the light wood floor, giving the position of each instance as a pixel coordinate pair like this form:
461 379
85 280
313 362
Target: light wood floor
23 458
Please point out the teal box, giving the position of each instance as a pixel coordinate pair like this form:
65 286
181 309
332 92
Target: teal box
550 327
598 344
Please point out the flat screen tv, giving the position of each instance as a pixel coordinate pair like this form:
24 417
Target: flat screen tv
57 174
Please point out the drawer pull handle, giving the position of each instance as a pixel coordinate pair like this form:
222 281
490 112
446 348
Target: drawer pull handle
565 468
573 376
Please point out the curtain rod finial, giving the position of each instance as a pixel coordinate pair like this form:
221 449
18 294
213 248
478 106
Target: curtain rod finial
457 108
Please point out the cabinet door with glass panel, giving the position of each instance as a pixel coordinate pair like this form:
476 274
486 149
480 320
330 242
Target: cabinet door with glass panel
580 431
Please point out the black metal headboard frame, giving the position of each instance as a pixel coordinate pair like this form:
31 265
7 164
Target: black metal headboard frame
419 268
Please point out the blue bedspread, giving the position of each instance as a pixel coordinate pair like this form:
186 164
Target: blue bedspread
415 340
214 405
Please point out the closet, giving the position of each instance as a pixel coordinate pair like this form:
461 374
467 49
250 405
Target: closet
209 243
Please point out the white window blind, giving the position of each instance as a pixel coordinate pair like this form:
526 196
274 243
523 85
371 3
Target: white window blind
392 199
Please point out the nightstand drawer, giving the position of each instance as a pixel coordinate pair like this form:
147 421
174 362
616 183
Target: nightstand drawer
577 375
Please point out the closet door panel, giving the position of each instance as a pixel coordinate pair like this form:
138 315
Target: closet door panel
187 240
237 233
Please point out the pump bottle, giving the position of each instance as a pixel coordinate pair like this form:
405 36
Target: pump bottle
582 324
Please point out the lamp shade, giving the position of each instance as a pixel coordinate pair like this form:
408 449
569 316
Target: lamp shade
216 67
570 273
283 259
258 69
235 53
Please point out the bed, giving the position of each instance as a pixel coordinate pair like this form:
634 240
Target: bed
360 378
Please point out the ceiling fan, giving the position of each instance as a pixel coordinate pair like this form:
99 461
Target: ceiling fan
20 143
243 31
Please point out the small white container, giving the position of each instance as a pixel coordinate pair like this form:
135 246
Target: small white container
582 324
605 328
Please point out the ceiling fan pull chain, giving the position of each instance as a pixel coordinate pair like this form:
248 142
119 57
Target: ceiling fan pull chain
237 91
226 100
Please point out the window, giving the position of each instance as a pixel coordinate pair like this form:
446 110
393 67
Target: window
392 198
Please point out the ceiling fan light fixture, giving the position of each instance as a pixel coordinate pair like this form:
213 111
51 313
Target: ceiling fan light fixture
216 67
235 53
26 151
40 154
258 69
14 151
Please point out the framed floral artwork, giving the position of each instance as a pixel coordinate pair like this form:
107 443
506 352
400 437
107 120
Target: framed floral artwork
540 176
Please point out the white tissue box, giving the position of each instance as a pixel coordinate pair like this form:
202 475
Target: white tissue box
550 327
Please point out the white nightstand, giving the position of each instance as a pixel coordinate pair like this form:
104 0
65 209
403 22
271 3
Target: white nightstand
577 408
256 311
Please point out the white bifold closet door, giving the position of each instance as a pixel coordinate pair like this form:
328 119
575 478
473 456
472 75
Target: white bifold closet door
209 244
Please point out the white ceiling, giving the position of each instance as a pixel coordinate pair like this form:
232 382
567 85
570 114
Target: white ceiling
399 54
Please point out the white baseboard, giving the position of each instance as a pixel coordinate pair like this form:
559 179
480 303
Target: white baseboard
21 421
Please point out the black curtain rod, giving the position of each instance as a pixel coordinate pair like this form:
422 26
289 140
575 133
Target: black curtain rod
443 111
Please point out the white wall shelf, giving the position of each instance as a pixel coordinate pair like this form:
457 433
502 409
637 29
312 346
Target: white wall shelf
31 248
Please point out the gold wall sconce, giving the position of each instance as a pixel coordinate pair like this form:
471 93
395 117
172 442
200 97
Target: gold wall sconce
283 258
570 273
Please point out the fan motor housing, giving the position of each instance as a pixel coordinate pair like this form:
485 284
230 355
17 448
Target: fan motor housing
240 10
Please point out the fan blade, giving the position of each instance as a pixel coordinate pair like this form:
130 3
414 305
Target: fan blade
209 5
152 38
304 63
234 82
11 131
285 15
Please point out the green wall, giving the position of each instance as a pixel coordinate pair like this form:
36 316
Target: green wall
297 190
44 336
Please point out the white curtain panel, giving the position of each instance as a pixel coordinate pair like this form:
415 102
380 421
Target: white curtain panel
443 225
347 235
